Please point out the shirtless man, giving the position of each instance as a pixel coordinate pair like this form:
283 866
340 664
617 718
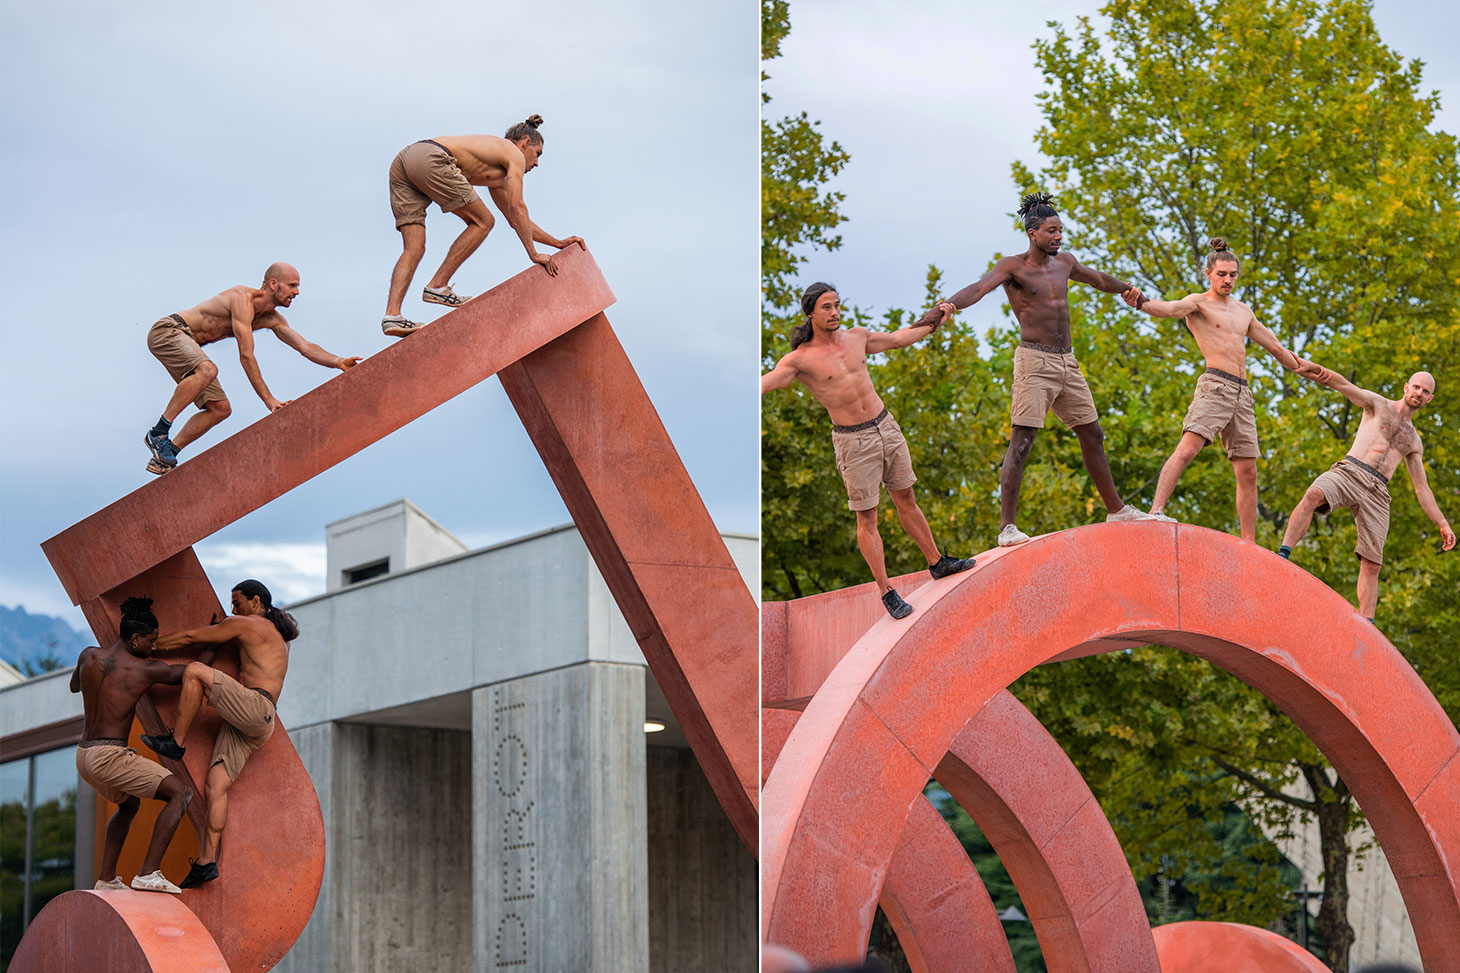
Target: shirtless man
442 171
110 682
237 313
245 704
870 449
1361 479
1046 374
1222 405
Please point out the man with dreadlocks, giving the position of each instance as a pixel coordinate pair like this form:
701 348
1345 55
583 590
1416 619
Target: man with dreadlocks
246 704
1222 404
870 449
110 682
1046 375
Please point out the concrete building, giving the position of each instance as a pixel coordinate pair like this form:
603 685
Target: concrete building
474 723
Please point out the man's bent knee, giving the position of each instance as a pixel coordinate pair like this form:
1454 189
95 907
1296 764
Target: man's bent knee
904 497
1090 432
219 408
207 371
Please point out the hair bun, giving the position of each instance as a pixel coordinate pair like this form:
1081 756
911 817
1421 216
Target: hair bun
137 606
1218 245
534 120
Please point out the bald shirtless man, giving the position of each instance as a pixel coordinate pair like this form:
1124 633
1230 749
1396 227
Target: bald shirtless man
442 171
1361 479
870 449
110 682
1222 405
246 704
237 313
1046 375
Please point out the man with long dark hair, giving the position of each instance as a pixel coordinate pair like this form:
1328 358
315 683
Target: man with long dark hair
870 449
246 704
110 682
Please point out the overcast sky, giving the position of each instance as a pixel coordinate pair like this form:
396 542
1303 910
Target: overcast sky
935 100
153 154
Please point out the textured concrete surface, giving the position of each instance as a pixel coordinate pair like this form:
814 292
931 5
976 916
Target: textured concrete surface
311 951
399 533
1221 947
558 807
888 712
136 932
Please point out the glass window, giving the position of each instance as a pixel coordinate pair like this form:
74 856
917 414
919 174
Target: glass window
37 839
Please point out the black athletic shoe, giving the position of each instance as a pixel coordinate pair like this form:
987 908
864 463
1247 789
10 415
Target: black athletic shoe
198 874
894 604
164 745
949 565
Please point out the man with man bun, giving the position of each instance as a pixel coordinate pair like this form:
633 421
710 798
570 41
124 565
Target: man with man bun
1222 404
1046 375
110 682
176 341
1361 479
870 449
246 704
443 171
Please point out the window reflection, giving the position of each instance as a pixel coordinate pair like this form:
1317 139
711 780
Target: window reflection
37 838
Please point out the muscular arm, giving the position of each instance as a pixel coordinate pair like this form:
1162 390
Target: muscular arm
1098 280
164 674
779 377
539 235
311 350
901 338
509 200
1170 309
1415 463
228 629
1362 398
1260 333
242 312
1000 274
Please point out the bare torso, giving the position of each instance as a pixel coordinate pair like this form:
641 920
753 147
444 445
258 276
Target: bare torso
1220 327
1384 437
263 655
1039 294
212 320
483 159
834 367
112 680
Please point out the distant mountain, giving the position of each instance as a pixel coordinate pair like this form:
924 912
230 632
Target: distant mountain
24 636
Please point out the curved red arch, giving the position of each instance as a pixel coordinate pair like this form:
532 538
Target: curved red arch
86 931
1219 947
886 716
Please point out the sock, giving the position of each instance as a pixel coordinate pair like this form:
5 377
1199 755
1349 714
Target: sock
162 427
1371 622
1284 551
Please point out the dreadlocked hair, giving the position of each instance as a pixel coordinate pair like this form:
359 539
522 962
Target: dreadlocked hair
137 617
1220 251
1036 208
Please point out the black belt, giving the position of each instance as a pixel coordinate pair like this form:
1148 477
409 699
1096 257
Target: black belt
1371 470
1227 375
265 694
178 318
862 425
102 742
1052 349
437 144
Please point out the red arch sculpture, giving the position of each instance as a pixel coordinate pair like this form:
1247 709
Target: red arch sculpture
1220 947
887 715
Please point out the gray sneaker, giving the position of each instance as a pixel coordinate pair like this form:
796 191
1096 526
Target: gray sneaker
443 295
115 885
156 882
1012 535
396 326
1162 517
1127 514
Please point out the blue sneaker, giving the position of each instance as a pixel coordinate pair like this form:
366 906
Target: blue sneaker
164 453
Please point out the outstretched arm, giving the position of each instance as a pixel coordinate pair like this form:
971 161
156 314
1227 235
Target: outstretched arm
1362 398
902 337
539 235
1000 274
1415 463
779 377
1162 309
509 200
311 350
161 673
1105 282
211 635
1260 333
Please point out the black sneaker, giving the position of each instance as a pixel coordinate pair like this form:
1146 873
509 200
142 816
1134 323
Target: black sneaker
894 604
164 745
198 874
949 565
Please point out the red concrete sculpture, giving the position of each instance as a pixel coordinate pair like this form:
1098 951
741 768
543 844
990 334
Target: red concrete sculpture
91 932
888 713
620 476
1220 947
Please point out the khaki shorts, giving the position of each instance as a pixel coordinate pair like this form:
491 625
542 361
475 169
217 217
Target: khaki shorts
1346 484
1223 408
868 458
1045 381
248 722
173 344
117 772
423 173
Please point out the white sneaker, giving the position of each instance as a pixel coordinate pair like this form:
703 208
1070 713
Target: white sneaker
115 884
156 882
1162 517
1127 514
396 326
443 295
1012 535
